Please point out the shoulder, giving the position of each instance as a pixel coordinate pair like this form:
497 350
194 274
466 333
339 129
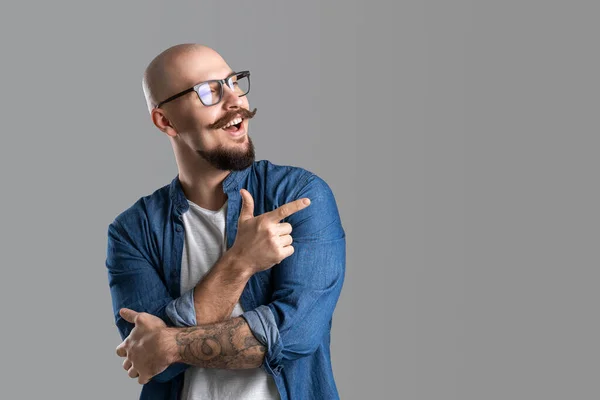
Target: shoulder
293 180
267 170
319 220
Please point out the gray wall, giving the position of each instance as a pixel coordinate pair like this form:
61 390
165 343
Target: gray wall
460 139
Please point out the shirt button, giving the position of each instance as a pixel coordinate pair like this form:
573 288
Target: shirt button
179 228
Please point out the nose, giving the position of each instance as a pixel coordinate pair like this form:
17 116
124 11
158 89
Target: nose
231 99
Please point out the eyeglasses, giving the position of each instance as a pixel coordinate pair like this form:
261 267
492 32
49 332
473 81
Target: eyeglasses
211 92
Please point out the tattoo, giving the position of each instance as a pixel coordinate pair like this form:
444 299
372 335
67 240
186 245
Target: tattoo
229 344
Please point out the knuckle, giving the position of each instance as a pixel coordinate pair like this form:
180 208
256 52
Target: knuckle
282 212
262 224
273 242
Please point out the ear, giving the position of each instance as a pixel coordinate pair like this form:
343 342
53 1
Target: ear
160 120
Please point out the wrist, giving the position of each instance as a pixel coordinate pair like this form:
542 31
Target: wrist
237 263
169 345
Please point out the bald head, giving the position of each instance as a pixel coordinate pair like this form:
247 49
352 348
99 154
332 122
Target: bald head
178 68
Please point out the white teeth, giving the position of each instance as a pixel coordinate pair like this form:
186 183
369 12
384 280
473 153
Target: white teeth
233 122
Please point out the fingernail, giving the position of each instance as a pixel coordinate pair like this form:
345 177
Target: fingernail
306 201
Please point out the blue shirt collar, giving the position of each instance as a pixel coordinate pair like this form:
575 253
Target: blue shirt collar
230 184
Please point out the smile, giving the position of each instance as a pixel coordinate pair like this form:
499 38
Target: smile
236 121
235 127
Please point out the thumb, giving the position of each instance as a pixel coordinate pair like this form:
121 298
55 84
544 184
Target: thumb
128 315
247 211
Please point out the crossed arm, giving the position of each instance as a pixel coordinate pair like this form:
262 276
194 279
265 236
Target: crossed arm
152 346
307 285
229 343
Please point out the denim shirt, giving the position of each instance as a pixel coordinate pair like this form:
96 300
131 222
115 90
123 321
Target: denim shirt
288 307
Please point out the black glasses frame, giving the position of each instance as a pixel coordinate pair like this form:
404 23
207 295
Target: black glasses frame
195 88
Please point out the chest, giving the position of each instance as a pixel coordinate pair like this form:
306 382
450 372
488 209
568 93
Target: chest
205 236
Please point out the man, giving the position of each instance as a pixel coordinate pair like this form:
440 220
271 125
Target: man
212 295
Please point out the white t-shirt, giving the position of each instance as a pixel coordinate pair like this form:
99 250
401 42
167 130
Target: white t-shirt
204 243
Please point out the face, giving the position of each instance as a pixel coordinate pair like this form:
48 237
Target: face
203 131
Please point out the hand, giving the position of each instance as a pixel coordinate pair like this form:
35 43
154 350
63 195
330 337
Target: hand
262 241
145 349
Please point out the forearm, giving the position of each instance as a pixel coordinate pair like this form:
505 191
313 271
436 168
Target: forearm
220 289
227 345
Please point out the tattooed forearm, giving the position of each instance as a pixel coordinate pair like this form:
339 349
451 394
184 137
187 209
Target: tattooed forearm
229 344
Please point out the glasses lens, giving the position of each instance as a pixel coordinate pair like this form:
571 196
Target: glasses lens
241 83
209 93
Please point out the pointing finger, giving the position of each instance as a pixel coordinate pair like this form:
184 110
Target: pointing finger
288 209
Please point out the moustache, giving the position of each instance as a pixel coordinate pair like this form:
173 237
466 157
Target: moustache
242 112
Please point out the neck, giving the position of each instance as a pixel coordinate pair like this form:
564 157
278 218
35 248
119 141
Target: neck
203 184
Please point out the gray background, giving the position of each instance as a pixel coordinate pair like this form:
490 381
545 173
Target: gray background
460 139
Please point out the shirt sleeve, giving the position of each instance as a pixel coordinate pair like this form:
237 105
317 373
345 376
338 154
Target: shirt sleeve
182 311
307 284
135 284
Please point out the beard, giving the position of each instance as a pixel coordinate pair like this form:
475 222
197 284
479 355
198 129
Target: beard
229 159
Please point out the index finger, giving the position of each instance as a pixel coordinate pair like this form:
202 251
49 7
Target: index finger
288 209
